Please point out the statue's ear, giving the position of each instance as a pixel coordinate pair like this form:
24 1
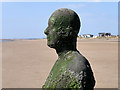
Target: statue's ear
69 31
69 28
65 32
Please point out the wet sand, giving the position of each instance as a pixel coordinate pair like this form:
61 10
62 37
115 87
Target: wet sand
27 63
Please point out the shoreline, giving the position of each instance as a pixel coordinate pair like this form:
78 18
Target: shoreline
78 39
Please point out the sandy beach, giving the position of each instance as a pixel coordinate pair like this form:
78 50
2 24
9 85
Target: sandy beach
27 63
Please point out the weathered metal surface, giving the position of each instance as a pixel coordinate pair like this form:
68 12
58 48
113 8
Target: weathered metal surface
71 70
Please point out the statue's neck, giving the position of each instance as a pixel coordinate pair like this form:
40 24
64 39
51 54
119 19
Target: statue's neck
65 48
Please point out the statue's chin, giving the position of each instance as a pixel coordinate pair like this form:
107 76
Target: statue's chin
51 45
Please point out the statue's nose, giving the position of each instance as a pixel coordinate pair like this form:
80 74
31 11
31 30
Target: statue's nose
46 32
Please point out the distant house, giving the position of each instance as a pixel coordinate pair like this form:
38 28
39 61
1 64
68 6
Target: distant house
104 34
86 35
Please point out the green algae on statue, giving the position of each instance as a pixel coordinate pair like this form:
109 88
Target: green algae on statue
72 69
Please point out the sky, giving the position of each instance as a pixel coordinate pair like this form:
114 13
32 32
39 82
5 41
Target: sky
22 20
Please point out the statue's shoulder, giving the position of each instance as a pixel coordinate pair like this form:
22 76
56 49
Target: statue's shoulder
79 62
81 68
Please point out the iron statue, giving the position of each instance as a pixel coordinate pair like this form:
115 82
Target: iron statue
72 69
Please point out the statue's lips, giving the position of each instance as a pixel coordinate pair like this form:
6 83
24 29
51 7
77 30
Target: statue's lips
51 45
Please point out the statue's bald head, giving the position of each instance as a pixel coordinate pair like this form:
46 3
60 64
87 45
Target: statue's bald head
65 22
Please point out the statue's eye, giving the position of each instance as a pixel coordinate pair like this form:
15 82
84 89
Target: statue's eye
59 28
51 23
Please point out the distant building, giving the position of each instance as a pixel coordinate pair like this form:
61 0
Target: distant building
86 35
104 34
94 36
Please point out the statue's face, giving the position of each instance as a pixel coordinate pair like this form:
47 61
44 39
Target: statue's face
52 33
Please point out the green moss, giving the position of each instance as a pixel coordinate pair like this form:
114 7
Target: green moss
60 75
60 66
58 72
74 84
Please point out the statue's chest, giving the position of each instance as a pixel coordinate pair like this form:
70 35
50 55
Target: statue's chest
58 69
57 75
